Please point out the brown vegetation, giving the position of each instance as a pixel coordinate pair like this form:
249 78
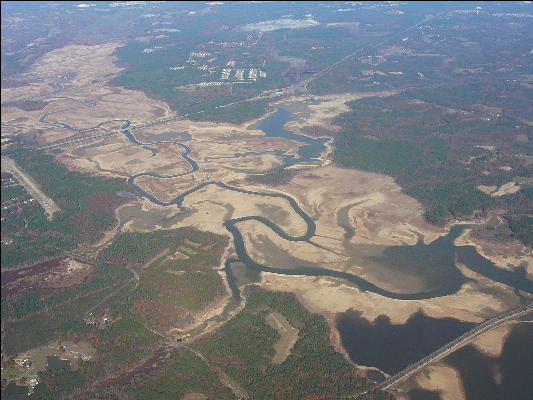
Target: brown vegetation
61 272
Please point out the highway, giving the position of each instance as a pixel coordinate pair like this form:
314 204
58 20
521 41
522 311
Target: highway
83 139
298 88
450 347
239 392
301 87
367 47
108 132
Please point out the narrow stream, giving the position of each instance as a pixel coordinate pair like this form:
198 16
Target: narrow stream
366 342
407 256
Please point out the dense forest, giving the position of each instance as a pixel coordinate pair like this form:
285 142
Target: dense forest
177 276
87 209
169 289
244 348
434 157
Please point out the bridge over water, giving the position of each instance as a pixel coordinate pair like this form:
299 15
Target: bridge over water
448 348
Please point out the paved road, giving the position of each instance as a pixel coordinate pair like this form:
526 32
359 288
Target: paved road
83 139
301 87
109 132
367 47
8 165
454 345
239 392
298 88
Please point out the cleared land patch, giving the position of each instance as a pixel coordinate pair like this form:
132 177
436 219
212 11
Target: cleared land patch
56 273
289 336
8 165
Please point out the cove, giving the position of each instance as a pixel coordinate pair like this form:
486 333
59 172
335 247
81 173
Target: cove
410 256
478 371
272 126
392 347
414 259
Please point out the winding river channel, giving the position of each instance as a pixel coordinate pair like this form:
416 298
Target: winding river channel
273 126
367 342
309 150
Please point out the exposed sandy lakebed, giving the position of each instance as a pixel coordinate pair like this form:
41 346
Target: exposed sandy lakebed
357 214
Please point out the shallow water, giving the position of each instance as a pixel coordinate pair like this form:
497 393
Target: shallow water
56 363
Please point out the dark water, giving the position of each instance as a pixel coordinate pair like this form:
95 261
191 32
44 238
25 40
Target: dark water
367 344
443 277
421 394
232 281
45 115
78 151
185 156
273 127
59 88
468 256
12 391
392 347
286 161
184 136
127 195
56 363
244 257
434 262
479 372
376 376
317 271
244 275
343 220
70 128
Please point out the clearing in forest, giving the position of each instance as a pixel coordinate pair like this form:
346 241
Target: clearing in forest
289 336
8 165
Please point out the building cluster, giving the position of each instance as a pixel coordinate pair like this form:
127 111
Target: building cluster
199 54
152 49
13 204
253 74
97 320
24 363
